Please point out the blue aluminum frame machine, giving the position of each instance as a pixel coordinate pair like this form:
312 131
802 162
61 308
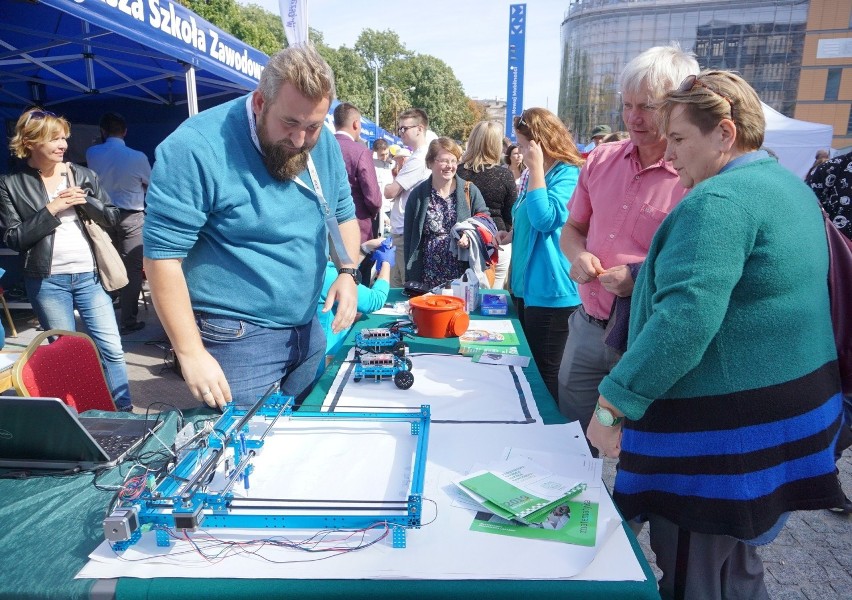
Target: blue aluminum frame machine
180 499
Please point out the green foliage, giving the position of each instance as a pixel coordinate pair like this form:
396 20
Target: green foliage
381 47
436 88
252 24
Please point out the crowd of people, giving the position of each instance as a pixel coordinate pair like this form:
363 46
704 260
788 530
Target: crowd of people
671 281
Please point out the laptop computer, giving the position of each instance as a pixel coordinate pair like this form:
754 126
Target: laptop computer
45 433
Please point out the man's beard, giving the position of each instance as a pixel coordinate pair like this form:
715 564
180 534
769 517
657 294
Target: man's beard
282 160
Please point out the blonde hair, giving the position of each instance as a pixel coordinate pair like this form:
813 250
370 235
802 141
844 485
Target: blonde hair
36 126
301 66
484 146
542 126
717 95
442 143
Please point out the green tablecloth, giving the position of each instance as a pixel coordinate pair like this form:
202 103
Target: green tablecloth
48 526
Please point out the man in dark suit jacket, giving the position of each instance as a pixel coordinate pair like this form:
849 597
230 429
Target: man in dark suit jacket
362 175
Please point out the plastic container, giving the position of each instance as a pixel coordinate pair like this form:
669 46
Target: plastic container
439 316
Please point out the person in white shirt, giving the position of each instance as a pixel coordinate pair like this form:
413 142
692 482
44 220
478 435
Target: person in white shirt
383 162
413 125
124 174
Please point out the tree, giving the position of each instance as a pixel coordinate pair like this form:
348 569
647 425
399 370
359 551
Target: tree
436 90
379 48
353 81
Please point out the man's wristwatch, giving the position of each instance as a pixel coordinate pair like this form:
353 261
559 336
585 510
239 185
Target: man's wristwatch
605 416
356 274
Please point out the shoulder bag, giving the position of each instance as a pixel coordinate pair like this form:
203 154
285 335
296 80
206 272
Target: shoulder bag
111 269
840 295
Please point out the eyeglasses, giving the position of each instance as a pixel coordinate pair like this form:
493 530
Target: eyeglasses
445 162
405 128
692 81
520 121
38 115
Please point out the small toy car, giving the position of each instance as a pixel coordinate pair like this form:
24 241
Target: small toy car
380 339
380 366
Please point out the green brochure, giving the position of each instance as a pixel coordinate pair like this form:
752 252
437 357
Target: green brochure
520 490
572 522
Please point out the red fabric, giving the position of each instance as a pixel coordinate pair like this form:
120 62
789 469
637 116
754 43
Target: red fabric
68 369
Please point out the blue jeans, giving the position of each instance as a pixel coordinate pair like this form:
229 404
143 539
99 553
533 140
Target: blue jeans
254 357
54 299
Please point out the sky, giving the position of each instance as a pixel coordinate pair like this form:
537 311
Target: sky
471 36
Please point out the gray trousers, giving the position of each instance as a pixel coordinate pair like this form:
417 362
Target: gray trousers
585 362
128 240
397 276
700 566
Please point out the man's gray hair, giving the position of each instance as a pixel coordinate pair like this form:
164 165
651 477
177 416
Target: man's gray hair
661 69
301 66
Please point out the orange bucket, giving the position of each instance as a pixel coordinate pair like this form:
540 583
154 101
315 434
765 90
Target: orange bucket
439 316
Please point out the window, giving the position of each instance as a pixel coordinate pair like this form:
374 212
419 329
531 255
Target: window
832 84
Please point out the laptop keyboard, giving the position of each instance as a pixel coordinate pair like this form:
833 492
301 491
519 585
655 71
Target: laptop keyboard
115 445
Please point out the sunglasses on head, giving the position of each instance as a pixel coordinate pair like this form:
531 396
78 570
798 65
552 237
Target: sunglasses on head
692 82
521 121
38 115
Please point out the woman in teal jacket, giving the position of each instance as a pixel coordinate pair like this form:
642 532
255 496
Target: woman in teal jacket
544 294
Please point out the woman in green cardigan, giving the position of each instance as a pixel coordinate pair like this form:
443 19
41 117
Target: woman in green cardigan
726 407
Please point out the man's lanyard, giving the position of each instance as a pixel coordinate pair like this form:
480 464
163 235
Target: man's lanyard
337 245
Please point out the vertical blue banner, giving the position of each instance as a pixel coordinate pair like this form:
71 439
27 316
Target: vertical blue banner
515 83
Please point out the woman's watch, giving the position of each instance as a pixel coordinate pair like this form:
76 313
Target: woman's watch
605 416
356 274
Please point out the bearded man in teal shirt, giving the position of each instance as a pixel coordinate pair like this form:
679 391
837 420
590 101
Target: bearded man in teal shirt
242 199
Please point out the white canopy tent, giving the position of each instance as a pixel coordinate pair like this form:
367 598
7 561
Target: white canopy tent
795 142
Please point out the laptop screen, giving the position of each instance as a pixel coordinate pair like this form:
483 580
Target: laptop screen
46 433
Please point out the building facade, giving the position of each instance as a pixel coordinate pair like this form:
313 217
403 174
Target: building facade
797 54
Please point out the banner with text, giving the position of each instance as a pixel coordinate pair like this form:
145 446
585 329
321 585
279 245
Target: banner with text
174 30
515 82
294 15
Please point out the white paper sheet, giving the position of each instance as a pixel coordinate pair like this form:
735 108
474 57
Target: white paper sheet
443 549
457 389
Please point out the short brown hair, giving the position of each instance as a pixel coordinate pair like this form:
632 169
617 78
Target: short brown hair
544 127
301 66
415 113
442 143
380 144
717 95
36 126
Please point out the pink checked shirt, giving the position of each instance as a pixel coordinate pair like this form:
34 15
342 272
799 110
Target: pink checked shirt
624 205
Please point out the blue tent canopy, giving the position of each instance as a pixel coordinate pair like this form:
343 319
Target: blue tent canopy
154 61
55 51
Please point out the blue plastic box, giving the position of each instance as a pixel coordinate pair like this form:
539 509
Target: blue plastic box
495 305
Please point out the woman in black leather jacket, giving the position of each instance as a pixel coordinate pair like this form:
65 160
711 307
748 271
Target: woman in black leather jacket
40 216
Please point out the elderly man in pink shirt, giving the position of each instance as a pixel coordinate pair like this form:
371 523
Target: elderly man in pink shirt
625 191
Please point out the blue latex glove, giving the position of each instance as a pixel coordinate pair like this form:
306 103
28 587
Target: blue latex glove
385 253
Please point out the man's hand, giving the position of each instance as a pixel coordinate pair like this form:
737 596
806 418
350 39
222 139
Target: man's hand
343 292
504 237
585 268
205 379
606 439
617 280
